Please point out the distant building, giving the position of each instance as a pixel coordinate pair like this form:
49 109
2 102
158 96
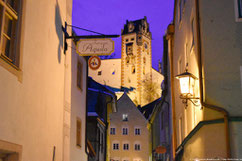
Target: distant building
134 69
129 137
42 90
205 40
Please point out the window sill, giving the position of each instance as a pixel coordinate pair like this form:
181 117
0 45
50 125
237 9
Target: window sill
11 68
238 19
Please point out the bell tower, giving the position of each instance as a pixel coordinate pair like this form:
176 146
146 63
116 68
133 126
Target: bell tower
136 64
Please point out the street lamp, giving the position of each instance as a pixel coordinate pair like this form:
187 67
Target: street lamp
187 87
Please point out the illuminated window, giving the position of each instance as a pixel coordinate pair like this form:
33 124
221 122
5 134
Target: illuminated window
115 146
126 146
137 147
137 131
125 131
125 117
112 131
79 75
78 132
10 31
144 60
133 69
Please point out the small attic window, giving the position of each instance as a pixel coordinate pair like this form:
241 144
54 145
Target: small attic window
125 117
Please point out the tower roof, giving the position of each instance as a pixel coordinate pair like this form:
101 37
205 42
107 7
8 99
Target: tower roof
140 26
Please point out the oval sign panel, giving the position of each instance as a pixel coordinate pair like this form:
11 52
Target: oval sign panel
90 47
94 62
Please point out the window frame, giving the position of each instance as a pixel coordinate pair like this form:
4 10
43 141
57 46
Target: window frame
238 10
125 117
125 131
137 147
112 131
79 78
16 66
115 146
136 128
78 132
126 146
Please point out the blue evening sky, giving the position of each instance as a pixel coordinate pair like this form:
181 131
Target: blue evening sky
109 17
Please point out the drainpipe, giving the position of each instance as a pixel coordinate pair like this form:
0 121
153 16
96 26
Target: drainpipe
201 84
170 36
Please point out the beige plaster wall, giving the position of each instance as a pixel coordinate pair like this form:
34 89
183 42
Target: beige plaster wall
207 143
35 110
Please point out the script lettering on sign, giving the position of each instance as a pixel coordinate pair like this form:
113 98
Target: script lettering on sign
90 47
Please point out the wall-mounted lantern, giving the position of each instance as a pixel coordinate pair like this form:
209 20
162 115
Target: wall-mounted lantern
187 88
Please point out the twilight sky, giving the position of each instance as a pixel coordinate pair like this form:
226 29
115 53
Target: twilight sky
109 17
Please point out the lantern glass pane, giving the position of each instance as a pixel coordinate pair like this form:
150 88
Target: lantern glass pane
192 83
184 85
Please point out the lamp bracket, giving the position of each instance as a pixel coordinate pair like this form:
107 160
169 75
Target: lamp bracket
194 100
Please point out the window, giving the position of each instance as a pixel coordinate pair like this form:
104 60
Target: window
180 130
127 40
79 75
125 131
99 72
192 26
180 11
132 39
10 151
238 6
137 147
125 117
144 60
129 48
126 146
143 70
115 146
78 132
112 131
133 69
179 66
9 33
137 131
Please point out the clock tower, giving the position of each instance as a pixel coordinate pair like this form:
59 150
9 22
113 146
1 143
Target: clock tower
136 64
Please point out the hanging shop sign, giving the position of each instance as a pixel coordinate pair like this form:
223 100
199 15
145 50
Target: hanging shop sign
94 62
91 47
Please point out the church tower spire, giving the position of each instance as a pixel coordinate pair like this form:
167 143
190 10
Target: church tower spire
136 64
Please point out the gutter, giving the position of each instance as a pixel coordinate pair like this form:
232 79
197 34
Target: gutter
170 36
201 83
